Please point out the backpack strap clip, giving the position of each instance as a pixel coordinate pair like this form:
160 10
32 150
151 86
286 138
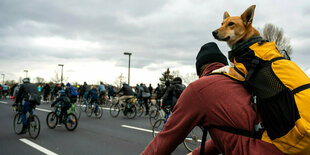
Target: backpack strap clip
259 127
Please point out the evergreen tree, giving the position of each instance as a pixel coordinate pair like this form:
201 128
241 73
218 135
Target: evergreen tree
166 76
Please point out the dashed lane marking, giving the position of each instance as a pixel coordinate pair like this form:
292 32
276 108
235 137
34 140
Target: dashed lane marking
136 128
3 102
36 146
45 110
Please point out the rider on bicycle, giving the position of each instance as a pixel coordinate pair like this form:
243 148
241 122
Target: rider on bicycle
127 94
102 91
65 104
93 94
26 90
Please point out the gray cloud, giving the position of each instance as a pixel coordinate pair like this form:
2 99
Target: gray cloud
154 31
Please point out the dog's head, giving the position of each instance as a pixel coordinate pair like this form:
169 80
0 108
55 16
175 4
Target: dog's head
236 28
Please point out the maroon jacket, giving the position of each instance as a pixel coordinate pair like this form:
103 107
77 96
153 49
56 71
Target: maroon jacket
212 100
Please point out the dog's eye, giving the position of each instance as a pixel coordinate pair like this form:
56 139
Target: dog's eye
230 23
222 23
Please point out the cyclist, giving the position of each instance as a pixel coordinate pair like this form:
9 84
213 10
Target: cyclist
102 92
127 94
26 90
64 101
159 91
144 94
214 100
93 95
86 90
173 92
46 90
71 93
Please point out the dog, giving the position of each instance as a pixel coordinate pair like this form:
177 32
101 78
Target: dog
276 82
233 30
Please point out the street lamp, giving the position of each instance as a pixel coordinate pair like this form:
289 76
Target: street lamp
3 75
26 72
62 69
129 54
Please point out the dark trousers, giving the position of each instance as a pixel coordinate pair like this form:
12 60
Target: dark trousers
27 107
145 101
63 112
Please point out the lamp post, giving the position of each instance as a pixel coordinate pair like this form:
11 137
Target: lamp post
129 54
3 75
62 69
26 73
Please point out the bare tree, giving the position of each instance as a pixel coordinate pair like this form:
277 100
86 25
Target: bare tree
40 80
189 78
119 80
55 78
276 34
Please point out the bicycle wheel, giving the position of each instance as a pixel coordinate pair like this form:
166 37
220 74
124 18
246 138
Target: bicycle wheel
76 111
17 124
131 112
99 113
154 116
114 110
193 139
34 126
51 120
71 122
89 110
140 109
158 126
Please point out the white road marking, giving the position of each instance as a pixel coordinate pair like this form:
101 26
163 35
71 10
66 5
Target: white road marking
3 102
45 110
36 146
136 128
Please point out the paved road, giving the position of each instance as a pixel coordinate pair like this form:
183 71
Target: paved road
115 136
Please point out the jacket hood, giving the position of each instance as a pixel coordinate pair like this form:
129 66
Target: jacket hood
212 67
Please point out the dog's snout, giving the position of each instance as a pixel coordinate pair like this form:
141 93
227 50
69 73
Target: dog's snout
214 33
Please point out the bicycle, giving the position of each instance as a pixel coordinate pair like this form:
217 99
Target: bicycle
191 141
33 122
129 110
69 120
91 108
76 111
156 113
140 107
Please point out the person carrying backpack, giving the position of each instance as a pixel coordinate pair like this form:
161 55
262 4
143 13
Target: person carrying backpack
173 93
71 92
102 93
145 95
28 96
211 101
93 95
65 105
127 94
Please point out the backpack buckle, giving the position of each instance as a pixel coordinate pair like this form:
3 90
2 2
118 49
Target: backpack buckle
259 126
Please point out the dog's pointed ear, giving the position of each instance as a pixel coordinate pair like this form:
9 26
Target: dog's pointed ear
247 16
226 15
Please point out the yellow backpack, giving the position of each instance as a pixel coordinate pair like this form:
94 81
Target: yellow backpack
281 91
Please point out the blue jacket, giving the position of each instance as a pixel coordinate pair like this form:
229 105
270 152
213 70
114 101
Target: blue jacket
93 94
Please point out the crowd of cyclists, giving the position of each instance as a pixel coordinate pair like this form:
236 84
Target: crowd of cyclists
66 95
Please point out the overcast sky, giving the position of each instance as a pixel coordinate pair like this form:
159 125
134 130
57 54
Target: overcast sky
90 36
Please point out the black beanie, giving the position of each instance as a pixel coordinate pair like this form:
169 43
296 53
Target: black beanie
209 53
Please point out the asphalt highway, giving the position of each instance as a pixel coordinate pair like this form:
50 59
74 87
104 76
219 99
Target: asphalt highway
108 136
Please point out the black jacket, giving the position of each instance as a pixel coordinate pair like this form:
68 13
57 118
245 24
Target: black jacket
126 90
64 100
24 90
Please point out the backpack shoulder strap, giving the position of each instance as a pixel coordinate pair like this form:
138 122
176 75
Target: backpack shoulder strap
227 75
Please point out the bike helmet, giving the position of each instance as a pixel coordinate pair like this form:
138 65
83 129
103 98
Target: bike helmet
61 92
26 80
68 84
